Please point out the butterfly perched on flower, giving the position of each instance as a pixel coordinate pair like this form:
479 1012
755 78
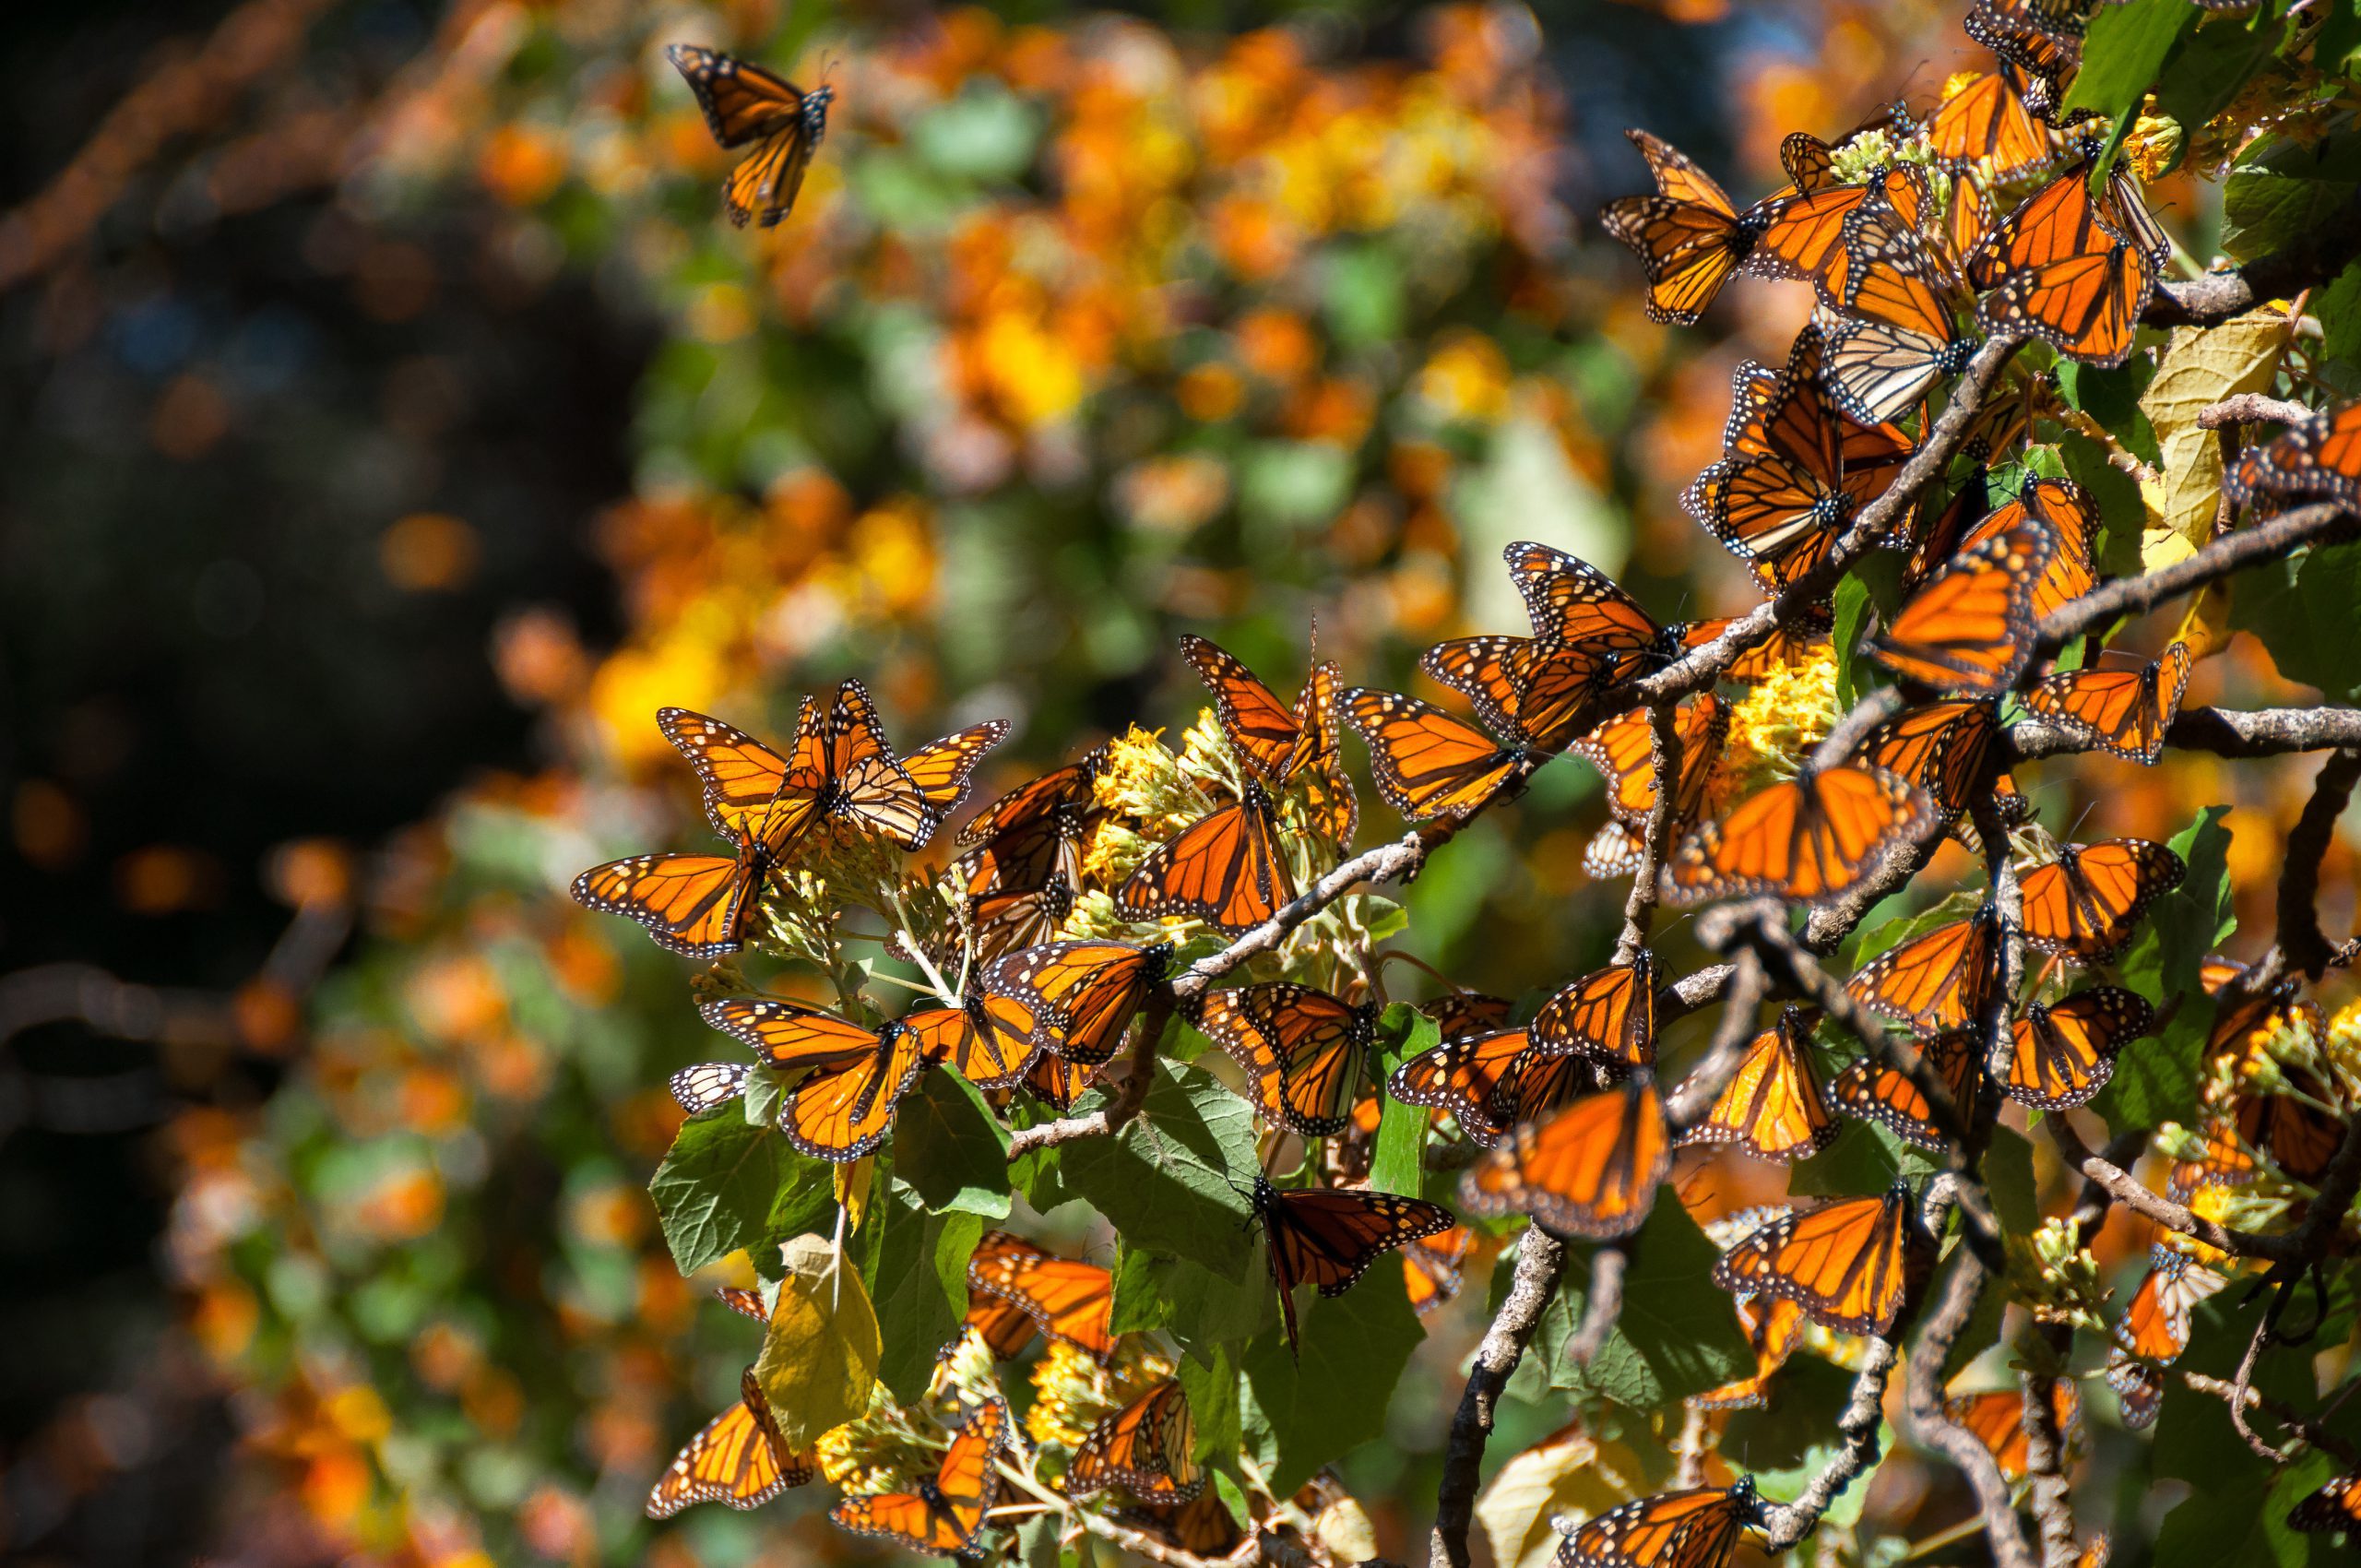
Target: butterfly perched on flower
2122 712
743 104
1022 866
1878 1091
1065 1300
2063 1054
1228 868
945 1515
1303 1049
2084 906
2154 1331
1330 1237
1697 1528
2072 268
1998 1422
1847 1262
1968 631
737 1460
1144 1448
1936 982
853 1076
1590 1169
1075 998
1773 1107
1815 836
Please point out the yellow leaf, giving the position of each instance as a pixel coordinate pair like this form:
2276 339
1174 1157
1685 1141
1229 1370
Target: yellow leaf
819 1360
2206 627
853 1189
2202 367
1565 1473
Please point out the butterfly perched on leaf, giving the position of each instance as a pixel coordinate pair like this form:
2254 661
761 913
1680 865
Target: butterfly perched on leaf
1303 1049
1608 1016
2084 906
2063 1054
1698 1528
1589 1170
2122 712
1936 982
1847 1262
945 1517
1773 1107
1815 838
746 104
2154 1331
1969 629
2071 268
853 1076
1144 1448
1228 868
1773 1328
1998 1422
738 1459
1075 998
1067 1300
1878 1091
1330 1237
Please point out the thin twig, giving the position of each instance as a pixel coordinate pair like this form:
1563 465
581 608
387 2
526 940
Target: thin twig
2242 1384
1692 1099
1603 1302
2300 939
2323 252
1923 1391
1664 763
1857 1452
1129 1095
2250 407
1541 1263
2286 1415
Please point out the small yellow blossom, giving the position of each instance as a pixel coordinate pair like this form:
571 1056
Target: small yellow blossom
1071 1392
1780 720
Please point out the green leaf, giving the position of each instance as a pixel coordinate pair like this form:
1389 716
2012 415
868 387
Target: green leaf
2112 398
2125 49
2280 190
1299 1416
2156 1081
922 1286
1784 1444
2339 40
1677 1335
951 1148
714 1191
1212 1388
1864 1159
766 1089
2207 71
1397 1160
1199 1308
2123 517
1175 1180
2008 1172
2338 309
2297 1480
820 1353
1853 608
2301 610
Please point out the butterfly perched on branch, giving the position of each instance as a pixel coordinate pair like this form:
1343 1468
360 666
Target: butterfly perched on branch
1847 1262
745 104
945 1515
1698 1528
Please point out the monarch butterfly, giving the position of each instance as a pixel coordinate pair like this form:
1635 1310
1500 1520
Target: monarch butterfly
2334 1507
974 1040
738 1459
1590 1169
1056 1081
2073 523
945 1515
2154 1331
742 104
1571 600
1069 1302
2320 456
1936 982
1687 236
742 780
2084 906
1609 1015
854 1077
1940 746
1303 1049
1032 833
2065 1053
2040 35
1969 630
1847 1262
1005 1329
1279 745
1466 1012
1425 762
1074 998
1672 1529
1895 341
1622 750
1874 1091
1490 1082
1814 837
944 769
1870 452
698 906
1783 649
1202 1528
2124 712
1330 1237
1774 1327
2073 269
1431 1267
1998 1421
1993 121
1000 923
1144 1448
1808 236
1788 482
1588 636
2300 1139
1774 1107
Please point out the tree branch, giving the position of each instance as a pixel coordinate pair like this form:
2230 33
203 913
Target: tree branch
1541 1263
2233 552
1124 1104
1664 763
2216 297
1923 1394
1856 1429
2299 876
2250 407
2286 1415
2268 731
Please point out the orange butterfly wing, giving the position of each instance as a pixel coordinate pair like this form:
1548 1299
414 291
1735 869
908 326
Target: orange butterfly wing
1774 1107
1847 1264
945 1517
698 906
1427 763
1144 1448
2064 1053
1609 1014
1814 838
1225 869
1590 1169
1303 1049
1330 1237
1672 1529
1935 982
1074 998
1940 746
1066 1300
2085 904
1969 630
737 1460
1688 237
2124 712
1874 1092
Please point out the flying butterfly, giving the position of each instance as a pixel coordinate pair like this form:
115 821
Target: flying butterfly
1067 1300
743 104
1330 1237
2084 906
1876 1091
1425 762
853 1076
1698 1528
1849 1262
1588 635
1969 630
738 1459
1143 1448
945 1517
1936 982
1773 1107
1689 238
2123 712
1814 838
1303 1049
1074 998
2154 1331
2072 268
1998 1422
1609 1015
2064 1053
1590 1169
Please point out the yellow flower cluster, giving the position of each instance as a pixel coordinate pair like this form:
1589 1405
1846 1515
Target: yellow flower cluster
1071 1392
1781 717
2058 1278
